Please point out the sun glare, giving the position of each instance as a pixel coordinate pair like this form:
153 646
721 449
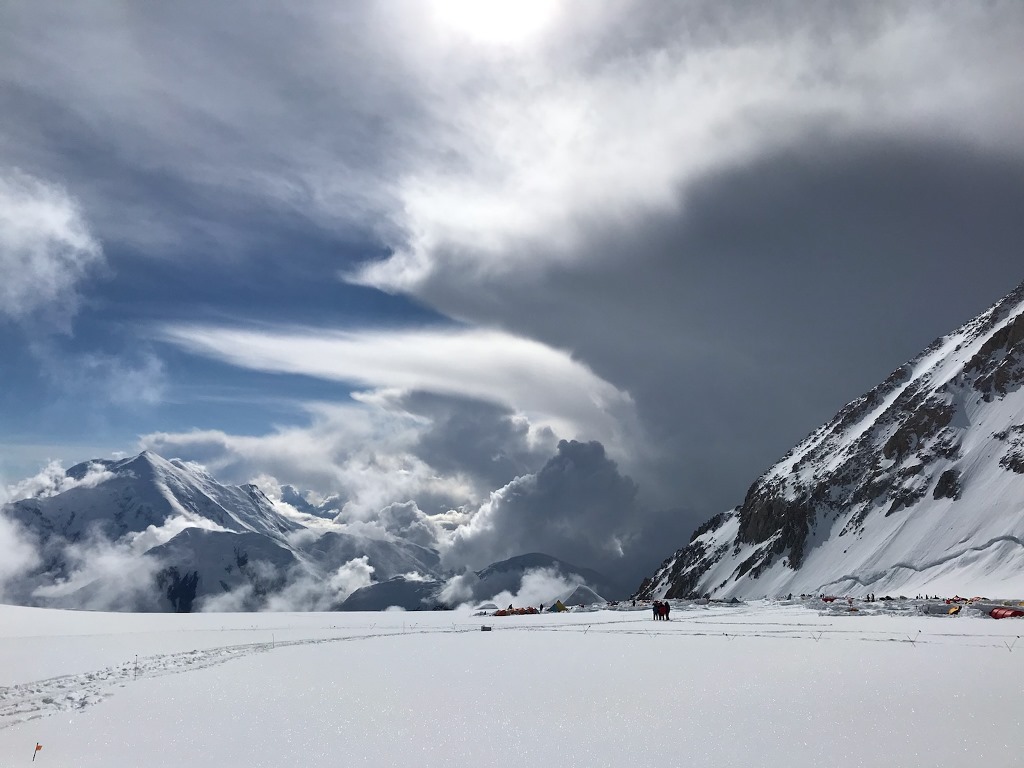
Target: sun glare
496 22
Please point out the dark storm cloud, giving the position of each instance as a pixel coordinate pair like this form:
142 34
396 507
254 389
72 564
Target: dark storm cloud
787 288
481 440
579 507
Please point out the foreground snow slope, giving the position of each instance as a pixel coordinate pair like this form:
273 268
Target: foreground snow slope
762 684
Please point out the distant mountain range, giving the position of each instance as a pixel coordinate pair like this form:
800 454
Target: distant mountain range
145 533
918 486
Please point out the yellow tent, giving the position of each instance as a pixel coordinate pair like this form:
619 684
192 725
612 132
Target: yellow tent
558 607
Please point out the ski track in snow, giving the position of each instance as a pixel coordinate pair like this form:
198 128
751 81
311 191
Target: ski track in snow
41 698
794 631
27 701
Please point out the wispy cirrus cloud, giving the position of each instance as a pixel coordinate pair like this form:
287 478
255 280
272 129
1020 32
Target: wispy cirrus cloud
546 384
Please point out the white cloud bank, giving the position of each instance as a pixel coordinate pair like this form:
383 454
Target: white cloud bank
538 586
364 453
307 593
18 556
51 480
46 250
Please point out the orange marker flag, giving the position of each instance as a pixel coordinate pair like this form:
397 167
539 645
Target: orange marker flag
36 750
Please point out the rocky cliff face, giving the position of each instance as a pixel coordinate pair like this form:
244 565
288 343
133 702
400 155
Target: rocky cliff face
918 480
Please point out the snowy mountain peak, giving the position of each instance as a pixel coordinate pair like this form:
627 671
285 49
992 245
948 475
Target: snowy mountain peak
118 497
918 482
147 533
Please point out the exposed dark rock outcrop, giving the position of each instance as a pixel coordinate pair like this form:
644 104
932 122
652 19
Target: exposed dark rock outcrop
948 486
683 570
998 368
1013 458
180 590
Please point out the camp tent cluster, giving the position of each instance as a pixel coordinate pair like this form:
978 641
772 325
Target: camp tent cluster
528 611
557 607
579 597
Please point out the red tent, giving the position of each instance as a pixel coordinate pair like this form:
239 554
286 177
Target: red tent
1005 613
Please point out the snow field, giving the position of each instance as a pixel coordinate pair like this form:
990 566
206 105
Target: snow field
762 684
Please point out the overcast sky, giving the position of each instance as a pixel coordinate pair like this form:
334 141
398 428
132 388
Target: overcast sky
398 251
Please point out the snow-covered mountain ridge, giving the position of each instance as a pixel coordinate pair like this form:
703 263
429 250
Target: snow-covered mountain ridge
916 486
145 533
129 495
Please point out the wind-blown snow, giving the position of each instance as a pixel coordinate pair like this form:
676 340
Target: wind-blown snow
762 684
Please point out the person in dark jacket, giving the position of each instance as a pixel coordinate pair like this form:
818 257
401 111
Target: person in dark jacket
667 608
654 609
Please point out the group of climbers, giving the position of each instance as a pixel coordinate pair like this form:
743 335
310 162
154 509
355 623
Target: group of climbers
660 610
